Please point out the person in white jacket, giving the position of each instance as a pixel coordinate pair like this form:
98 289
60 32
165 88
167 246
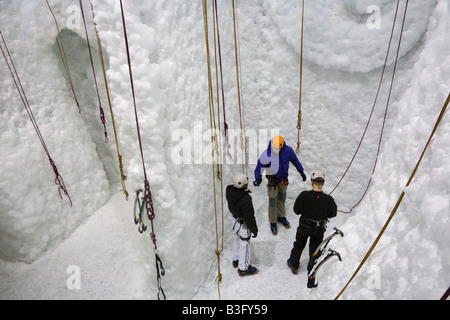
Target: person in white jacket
244 224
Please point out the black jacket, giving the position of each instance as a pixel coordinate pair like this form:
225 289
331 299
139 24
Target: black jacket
316 206
241 206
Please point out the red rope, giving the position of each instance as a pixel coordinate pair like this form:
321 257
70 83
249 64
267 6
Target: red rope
102 113
225 124
147 193
446 294
373 107
12 69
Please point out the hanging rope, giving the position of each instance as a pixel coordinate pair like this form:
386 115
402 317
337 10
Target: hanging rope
225 124
441 115
123 177
14 74
62 53
238 88
102 113
217 142
246 160
446 294
216 148
147 193
373 107
299 121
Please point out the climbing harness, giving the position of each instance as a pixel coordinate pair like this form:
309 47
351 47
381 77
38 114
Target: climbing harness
373 107
147 193
216 148
299 121
273 182
441 115
102 113
123 177
63 55
14 74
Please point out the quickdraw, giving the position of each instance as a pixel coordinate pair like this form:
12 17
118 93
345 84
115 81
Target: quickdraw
139 206
147 199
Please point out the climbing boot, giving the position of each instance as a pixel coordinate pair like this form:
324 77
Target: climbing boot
284 222
294 270
250 271
273 228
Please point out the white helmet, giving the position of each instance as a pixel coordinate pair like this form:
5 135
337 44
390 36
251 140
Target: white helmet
240 180
318 174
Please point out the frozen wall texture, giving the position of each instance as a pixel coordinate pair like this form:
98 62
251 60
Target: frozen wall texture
344 52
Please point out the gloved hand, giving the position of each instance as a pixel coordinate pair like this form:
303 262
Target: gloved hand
257 182
254 235
303 175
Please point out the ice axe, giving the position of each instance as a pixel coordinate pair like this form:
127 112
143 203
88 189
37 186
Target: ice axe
312 276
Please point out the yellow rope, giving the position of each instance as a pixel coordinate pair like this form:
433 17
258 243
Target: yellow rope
441 115
123 177
216 147
62 52
299 121
219 164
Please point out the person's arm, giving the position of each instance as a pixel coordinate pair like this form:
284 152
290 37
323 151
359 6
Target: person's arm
249 214
294 160
332 210
298 205
263 162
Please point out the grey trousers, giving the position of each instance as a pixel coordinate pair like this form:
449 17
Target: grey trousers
277 202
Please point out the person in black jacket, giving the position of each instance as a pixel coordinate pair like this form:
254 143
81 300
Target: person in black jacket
315 208
244 224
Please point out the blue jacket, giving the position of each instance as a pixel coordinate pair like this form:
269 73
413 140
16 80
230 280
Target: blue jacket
277 165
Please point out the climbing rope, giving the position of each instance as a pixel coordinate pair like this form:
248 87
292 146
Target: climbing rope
441 115
225 124
62 53
102 113
299 121
238 88
446 294
147 193
14 74
216 148
216 142
123 177
373 107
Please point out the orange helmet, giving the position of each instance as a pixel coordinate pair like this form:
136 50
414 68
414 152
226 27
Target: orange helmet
278 142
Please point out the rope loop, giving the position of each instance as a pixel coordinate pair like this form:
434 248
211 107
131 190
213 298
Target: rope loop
149 202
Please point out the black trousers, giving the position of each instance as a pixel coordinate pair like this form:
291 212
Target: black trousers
306 230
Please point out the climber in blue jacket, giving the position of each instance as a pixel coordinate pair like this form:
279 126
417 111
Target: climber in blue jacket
275 160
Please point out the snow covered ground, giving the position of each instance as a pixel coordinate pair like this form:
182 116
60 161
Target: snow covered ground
50 250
